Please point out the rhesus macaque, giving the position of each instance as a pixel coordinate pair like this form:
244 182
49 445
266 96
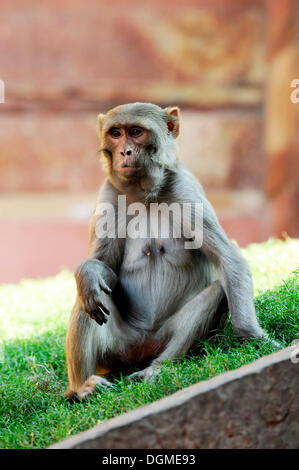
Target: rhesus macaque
150 298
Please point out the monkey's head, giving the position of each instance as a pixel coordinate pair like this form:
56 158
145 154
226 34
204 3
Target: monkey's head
137 141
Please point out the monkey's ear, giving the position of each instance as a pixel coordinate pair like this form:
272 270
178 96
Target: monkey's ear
100 121
173 120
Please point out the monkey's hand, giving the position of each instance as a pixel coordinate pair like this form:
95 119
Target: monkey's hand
149 374
93 277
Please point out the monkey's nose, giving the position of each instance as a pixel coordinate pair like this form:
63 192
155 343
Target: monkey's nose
128 152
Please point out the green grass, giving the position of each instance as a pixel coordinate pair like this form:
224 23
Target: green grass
33 320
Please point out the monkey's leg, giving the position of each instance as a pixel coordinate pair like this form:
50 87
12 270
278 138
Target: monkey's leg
205 312
82 353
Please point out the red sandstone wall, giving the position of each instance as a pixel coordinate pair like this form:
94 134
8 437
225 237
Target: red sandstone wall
227 63
64 61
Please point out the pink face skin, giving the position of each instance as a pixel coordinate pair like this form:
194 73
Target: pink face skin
126 143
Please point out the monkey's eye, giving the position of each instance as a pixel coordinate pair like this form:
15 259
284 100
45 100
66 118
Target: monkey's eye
115 132
135 131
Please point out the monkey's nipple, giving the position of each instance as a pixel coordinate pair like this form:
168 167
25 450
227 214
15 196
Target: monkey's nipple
147 251
160 249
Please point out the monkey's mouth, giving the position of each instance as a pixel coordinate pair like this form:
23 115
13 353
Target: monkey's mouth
129 169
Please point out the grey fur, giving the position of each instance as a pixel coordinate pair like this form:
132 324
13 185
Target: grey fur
174 297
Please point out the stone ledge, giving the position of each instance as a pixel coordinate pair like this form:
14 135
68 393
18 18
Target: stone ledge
255 406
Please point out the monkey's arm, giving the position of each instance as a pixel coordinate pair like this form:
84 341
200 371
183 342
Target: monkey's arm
97 273
234 274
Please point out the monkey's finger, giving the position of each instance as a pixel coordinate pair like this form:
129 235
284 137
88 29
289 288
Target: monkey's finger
133 377
100 305
103 312
105 288
97 316
91 302
98 320
104 383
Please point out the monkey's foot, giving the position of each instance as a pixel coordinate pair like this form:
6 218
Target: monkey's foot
90 386
266 340
148 374
272 342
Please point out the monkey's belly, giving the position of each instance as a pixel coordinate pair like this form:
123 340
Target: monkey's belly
150 348
156 280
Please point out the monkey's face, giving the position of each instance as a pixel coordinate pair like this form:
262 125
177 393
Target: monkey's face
137 142
129 147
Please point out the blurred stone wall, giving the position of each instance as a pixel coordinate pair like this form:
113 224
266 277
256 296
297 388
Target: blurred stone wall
227 63
64 61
